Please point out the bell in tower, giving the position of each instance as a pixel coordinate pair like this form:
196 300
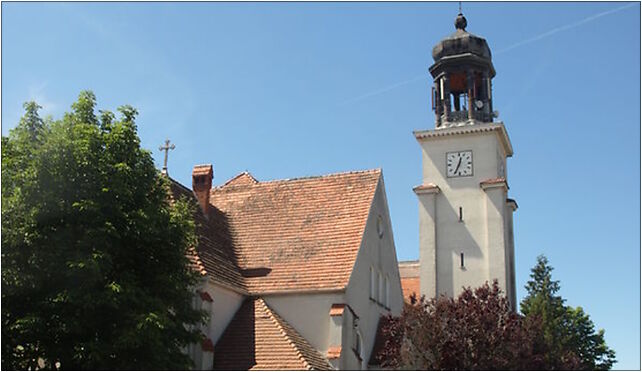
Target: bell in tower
462 73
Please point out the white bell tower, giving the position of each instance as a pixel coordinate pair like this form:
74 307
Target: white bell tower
465 215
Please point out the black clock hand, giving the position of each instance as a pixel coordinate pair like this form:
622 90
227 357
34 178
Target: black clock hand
458 164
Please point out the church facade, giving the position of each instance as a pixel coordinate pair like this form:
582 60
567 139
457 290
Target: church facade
298 273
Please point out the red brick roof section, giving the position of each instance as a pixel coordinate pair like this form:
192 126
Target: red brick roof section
334 352
297 234
213 255
257 338
244 178
409 272
410 286
337 309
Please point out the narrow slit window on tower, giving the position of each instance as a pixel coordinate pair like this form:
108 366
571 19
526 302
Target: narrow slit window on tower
461 257
461 214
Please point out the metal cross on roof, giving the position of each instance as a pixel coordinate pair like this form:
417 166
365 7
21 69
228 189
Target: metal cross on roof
166 148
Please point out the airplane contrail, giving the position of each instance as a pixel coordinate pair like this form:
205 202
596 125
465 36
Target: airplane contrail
383 90
516 45
564 28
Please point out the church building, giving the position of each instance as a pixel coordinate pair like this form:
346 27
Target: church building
465 215
297 273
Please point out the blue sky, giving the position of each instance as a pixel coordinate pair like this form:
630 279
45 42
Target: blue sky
294 89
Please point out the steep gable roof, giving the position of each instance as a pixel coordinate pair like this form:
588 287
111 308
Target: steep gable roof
296 234
258 338
213 255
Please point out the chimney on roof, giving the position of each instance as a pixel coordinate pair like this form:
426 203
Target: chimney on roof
202 184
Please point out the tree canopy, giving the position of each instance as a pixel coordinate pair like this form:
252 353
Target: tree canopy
94 267
568 334
477 330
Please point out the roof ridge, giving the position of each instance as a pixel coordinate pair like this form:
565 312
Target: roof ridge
303 178
177 183
244 173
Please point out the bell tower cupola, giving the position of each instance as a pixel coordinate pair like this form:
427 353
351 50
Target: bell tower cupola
462 72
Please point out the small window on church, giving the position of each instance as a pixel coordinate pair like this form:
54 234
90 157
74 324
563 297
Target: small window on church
373 284
380 226
380 299
387 292
461 257
461 214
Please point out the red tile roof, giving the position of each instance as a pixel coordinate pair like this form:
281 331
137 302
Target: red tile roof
410 286
244 178
258 338
296 234
334 352
409 272
337 309
213 256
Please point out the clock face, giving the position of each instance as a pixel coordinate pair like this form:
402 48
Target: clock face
459 163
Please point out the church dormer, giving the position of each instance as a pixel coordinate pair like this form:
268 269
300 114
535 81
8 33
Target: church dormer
462 72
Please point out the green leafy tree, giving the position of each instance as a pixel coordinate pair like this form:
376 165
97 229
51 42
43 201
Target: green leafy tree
94 271
567 336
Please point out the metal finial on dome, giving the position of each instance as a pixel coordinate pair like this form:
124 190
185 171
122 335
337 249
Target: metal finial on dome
460 22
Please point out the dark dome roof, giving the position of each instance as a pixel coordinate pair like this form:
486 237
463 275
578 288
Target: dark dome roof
461 42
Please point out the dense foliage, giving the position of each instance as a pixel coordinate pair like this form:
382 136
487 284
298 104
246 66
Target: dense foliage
568 334
478 330
94 273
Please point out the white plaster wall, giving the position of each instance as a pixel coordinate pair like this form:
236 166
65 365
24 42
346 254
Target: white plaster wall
224 307
481 235
308 313
380 253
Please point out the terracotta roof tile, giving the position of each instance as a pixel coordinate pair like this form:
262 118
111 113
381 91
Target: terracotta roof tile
214 255
409 273
297 234
241 179
334 352
410 286
337 309
257 338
